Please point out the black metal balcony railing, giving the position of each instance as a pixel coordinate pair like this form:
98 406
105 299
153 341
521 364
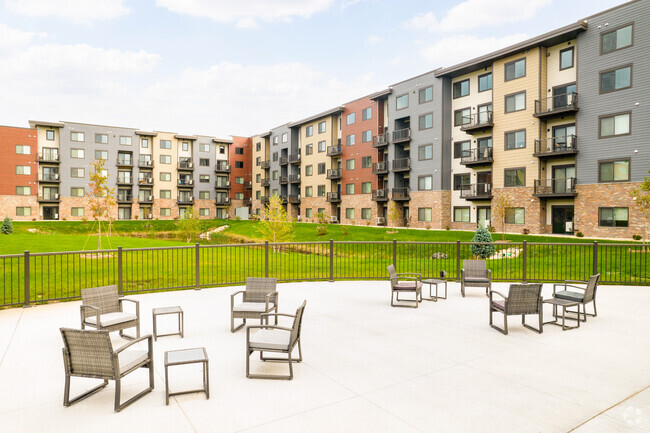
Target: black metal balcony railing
266 165
222 200
476 191
185 181
222 184
402 164
145 198
124 180
333 197
401 135
146 181
477 156
247 201
51 197
124 198
477 121
49 177
248 184
333 173
283 198
48 157
554 146
265 199
284 160
294 158
284 180
145 163
185 165
380 140
555 105
294 178
380 194
560 187
401 193
222 167
334 151
380 167
294 198
266 182
185 199
124 162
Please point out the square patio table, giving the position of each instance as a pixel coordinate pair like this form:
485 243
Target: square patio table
184 357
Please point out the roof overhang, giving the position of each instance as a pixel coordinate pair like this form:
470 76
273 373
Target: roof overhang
185 137
35 123
148 134
381 94
222 140
337 110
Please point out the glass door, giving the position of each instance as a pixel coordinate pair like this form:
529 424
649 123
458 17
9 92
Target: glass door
563 96
563 137
563 179
483 216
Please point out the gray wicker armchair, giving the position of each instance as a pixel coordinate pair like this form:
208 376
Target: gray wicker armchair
90 354
475 274
274 338
259 297
102 308
582 291
403 283
522 299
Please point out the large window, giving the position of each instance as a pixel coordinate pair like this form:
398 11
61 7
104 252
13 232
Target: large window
22 149
165 144
515 215
613 217
77 211
616 39
461 88
616 79
615 124
402 101
425 183
165 193
366 136
514 177
426 121
77 136
77 192
101 154
461 148
165 176
204 147
424 214
426 94
24 210
350 119
165 211
309 131
239 150
515 102
125 141
614 171
366 114
27 190
204 195
350 140
101 138
322 127
566 58
349 188
23 169
425 152
461 214
349 164
516 139
516 69
77 172
461 181
462 117
366 188
366 212
366 161
239 164
485 82
165 159
349 213
77 153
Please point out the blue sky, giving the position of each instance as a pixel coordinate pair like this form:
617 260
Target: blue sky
239 67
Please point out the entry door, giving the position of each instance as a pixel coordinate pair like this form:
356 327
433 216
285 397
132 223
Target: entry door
563 137
483 216
50 213
561 217
562 178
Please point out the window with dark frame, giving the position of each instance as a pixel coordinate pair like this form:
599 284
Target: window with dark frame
239 164
425 183
366 114
614 171
515 69
613 216
239 150
425 95
461 181
616 39
566 58
614 125
402 101
461 148
485 82
425 152
366 162
204 162
616 79
462 117
461 214
321 168
350 119
49 135
461 88
515 139
515 215
426 121
516 102
513 177
424 214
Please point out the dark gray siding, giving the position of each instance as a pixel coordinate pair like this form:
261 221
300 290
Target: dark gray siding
275 165
199 170
445 140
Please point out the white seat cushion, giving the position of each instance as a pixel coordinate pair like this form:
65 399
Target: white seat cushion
110 319
256 307
130 358
270 339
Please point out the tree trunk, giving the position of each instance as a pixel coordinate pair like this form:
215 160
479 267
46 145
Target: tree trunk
99 238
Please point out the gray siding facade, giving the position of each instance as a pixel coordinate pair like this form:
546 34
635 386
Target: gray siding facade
279 148
197 155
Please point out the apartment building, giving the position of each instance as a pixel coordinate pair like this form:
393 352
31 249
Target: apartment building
260 171
241 161
19 193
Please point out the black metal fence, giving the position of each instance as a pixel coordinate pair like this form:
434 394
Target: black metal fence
43 277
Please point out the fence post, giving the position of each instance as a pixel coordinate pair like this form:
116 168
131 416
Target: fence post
198 267
457 261
595 258
120 268
524 266
266 259
26 269
395 253
331 260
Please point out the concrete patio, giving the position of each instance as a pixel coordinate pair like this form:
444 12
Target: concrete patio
367 368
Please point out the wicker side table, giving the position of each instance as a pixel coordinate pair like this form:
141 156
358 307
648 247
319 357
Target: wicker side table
183 357
435 282
168 310
564 303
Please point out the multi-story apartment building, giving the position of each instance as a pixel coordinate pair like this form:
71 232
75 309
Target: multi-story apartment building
20 174
260 168
240 159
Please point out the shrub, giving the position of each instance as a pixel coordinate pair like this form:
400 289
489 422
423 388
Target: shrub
321 230
579 234
447 228
491 229
636 237
483 251
7 228
345 230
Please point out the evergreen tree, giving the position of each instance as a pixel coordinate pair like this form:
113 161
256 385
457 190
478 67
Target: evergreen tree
483 251
7 228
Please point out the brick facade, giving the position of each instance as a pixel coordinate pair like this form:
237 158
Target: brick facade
437 201
534 217
314 203
11 202
592 197
358 202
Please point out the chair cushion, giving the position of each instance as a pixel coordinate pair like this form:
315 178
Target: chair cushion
408 285
130 358
570 296
256 307
477 280
110 319
270 339
499 304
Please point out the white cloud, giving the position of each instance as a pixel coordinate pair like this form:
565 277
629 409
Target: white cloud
455 49
13 39
79 11
473 14
246 13
373 39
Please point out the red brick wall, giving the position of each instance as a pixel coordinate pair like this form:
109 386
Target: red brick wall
591 197
9 180
360 149
246 172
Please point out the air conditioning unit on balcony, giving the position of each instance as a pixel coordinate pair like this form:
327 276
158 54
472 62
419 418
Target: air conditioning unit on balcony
147 162
568 226
228 183
191 198
190 165
56 176
56 196
56 216
191 182
148 216
150 180
381 221
150 198
334 219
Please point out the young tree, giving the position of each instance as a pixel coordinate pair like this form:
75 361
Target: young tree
394 216
482 235
7 228
641 197
500 210
101 197
276 226
189 225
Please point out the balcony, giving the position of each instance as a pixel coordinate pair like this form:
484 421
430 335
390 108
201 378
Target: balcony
380 167
477 122
284 180
145 163
222 184
125 162
222 200
294 158
283 198
284 160
380 194
477 157
294 178
49 198
265 165
555 188
333 174
123 180
266 182
124 198
265 200
146 181
294 198
145 199
402 164
334 151
248 202
49 177
476 191
52 158
402 135
186 182
380 140
401 194
222 167
185 199
556 147
334 197
555 106
185 165
381 221
248 184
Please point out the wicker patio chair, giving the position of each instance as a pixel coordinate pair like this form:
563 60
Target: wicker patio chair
522 299
259 297
89 353
475 274
403 283
586 293
102 308
274 338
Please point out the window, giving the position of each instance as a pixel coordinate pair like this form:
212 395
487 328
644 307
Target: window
321 168
321 146
350 140
101 154
275 156
461 181
461 148
616 124
366 213
258 178
285 137
77 211
239 150
25 211
258 195
258 147
366 188
258 161
616 39
274 175
514 177
204 162
425 95
165 144
165 193
309 131
402 101
165 159
366 162
204 178
204 147
23 169
616 79
613 216
204 211
77 172
185 146
239 196
309 149
222 150
516 69
308 212
276 140
516 102
461 88
144 143
566 58
165 211
322 127
350 119
366 136
239 164
49 135
485 82
204 195
239 180
321 190
614 171
366 114
462 117
309 191
22 149
125 141
515 215
426 121
424 214
349 188
349 213
309 170
425 183
77 136
166 177
516 139
349 164
77 153
425 152
77 192
101 138
27 190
